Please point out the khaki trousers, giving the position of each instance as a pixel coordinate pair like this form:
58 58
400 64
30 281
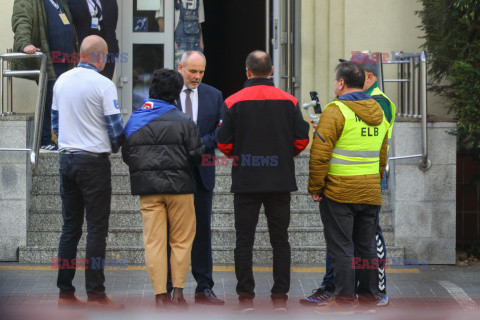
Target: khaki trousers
180 212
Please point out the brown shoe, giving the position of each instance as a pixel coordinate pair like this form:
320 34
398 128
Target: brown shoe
178 300
163 300
103 303
69 301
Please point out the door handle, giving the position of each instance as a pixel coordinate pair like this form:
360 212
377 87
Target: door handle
122 81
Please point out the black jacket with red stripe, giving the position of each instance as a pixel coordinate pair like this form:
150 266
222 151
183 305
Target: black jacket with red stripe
262 129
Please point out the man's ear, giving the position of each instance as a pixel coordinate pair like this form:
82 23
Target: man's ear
180 68
249 73
271 72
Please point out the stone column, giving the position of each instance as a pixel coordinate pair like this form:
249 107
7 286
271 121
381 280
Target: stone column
15 184
424 202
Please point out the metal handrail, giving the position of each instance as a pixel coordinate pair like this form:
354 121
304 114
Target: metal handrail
40 103
416 92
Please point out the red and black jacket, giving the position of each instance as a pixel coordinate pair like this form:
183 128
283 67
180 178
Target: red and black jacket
262 129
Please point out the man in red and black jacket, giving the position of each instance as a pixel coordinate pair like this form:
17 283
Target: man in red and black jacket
262 129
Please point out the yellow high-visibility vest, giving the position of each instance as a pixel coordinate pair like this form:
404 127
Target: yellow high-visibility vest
357 152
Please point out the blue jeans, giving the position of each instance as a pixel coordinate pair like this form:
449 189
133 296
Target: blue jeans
86 189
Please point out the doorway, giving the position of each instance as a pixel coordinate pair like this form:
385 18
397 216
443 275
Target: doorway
232 29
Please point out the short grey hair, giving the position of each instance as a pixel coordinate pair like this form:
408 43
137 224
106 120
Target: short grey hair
187 55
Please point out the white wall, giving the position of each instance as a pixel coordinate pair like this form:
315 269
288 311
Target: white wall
332 29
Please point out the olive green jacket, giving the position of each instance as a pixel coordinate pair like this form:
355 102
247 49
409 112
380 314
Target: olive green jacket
29 24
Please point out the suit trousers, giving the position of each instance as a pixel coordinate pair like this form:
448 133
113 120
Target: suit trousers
349 231
179 210
202 262
277 210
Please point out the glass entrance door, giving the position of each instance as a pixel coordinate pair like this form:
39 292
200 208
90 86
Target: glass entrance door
280 30
146 44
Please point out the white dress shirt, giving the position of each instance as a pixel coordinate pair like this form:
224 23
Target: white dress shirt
194 98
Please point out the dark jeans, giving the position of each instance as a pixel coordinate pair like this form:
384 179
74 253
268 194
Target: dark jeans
329 279
202 262
46 139
277 211
350 231
85 187
47 116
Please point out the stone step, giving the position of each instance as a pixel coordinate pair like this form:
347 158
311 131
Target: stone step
121 183
122 201
220 218
48 165
120 237
304 255
221 200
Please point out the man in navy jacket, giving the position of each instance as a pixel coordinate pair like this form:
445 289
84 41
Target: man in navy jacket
204 104
97 17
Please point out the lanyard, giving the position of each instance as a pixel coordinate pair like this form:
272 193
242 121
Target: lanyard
56 5
97 10
87 66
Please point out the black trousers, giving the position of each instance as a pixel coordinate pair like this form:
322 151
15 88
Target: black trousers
247 209
202 262
86 189
329 278
350 229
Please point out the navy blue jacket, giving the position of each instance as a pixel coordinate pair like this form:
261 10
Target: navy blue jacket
210 107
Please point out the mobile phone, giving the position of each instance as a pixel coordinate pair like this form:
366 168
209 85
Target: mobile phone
314 96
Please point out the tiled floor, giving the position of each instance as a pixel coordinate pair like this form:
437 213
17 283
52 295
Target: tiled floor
441 292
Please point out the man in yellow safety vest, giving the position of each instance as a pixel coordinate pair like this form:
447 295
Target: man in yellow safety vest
347 161
324 293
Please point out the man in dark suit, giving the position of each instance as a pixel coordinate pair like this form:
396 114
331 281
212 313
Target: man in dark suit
97 17
204 104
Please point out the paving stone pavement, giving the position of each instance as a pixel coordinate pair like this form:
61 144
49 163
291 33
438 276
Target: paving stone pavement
436 292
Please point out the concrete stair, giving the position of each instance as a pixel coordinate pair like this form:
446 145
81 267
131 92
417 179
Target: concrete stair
125 240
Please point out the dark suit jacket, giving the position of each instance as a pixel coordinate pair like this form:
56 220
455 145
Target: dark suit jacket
82 21
210 108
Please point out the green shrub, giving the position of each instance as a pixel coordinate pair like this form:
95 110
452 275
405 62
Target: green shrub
452 40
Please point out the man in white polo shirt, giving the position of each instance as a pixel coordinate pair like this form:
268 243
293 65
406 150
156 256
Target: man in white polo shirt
86 118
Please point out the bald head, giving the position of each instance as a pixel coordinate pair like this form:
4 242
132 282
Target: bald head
195 55
94 50
259 64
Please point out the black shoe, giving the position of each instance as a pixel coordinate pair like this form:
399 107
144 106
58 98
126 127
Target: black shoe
207 296
49 148
319 297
